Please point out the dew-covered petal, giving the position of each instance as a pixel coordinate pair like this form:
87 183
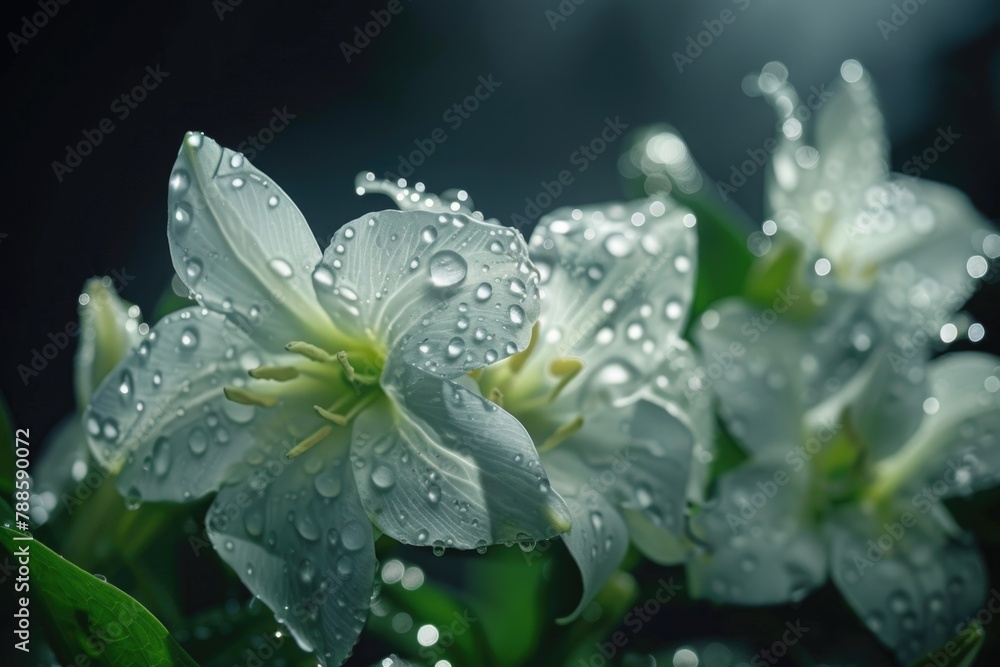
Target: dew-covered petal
598 539
656 543
955 451
908 575
813 190
638 454
761 549
296 534
438 465
64 465
751 362
616 279
929 226
416 199
444 292
241 245
109 328
161 417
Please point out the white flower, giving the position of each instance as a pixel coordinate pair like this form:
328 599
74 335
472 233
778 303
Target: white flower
849 460
602 387
315 392
861 224
109 328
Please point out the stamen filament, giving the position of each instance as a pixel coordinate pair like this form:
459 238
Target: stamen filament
310 442
331 417
276 373
244 397
561 434
564 368
310 351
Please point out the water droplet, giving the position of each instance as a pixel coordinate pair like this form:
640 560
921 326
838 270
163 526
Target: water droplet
179 181
197 442
323 278
516 314
189 338
328 483
182 215
597 520
272 201
307 527
133 498
353 536
484 291
456 346
643 496
236 161
617 245
306 571
281 267
161 457
429 234
238 183
422 536
254 523
193 269
434 494
447 268
383 477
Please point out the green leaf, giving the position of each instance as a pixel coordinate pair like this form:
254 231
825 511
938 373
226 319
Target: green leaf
86 617
723 258
961 651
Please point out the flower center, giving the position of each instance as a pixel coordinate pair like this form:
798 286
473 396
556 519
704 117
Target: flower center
351 377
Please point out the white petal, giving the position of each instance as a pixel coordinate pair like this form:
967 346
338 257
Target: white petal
638 455
761 550
107 333
912 585
451 201
241 245
439 465
598 539
752 365
615 278
297 536
442 291
955 450
659 545
927 225
161 416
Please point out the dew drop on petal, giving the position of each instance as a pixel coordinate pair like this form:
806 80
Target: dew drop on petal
447 268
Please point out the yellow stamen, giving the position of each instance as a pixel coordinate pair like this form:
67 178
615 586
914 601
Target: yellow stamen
331 417
516 361
310 442
309 351
244 397
342 358
561 433
496 396
564 368
276 373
